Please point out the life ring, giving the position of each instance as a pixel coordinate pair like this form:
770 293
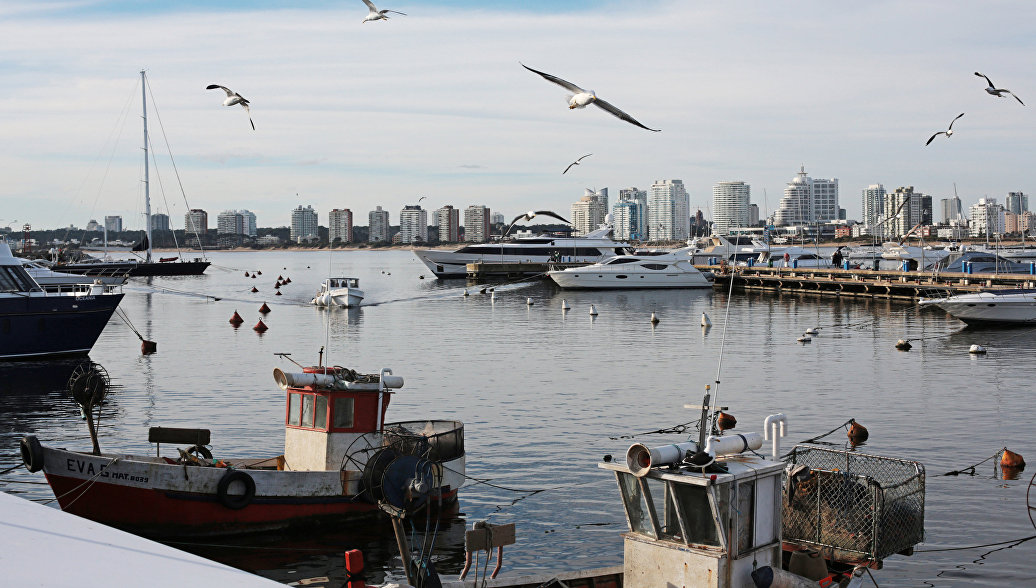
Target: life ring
199 450
235 501
32 453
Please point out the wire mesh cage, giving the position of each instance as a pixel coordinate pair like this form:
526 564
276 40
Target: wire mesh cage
433 440
852 506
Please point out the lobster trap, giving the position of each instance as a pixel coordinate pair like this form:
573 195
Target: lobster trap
853 507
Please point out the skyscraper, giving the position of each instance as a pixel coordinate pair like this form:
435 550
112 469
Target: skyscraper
629 215
340 225
951 210
476 223
196 221
113 224
987 218
1017 202
873 206
808 200
667 215
378 225
447 221
250 228
413 224
159 222
902 211
589 212
230 222
304 224
730 201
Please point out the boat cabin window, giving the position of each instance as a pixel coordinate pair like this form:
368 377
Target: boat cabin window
639 508
686 508
654 266
15 279
307 411
343 413
622 260
696 512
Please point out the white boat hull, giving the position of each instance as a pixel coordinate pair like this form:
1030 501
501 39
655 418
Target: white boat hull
619 280
347 298
989 308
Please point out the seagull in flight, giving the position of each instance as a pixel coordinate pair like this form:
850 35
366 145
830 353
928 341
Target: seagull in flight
576 162
232 99
376 14
580 98
998 92
947 132
532 214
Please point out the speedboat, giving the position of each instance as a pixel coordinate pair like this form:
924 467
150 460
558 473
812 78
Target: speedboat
593 247
673 269
1015 306
339 292
38 323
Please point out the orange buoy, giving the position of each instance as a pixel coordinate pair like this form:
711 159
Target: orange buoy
259 272
277 286
148 347
278 293
279 278
725 421
287 280
1010 459
246 274
260 327
236 319
254 290
265 309
857 433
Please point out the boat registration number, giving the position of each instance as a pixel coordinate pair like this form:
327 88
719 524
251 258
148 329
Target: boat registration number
101 471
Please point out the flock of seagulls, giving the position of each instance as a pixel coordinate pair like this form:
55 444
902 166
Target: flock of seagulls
992 90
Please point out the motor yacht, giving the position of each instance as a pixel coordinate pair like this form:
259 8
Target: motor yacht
339 292
672 269
1014 306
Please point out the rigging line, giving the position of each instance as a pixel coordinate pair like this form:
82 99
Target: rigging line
122 315
723 340
176 171
161 188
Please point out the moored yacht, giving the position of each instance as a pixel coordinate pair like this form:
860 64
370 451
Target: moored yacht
673 269
1015 306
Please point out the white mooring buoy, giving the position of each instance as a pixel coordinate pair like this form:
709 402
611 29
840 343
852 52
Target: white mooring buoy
812 330
804 339
466 292
654 319
977 349
528 301
593 310
564 305
705 321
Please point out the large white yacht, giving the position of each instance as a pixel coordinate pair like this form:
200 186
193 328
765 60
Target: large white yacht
591 248
1015 306
671 269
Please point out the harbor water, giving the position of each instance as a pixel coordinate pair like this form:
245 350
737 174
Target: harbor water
545 394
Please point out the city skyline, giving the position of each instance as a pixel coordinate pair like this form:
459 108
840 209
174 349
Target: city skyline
423 126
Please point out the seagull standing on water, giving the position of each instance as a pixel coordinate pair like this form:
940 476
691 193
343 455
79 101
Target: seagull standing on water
233 98
576 162
376 14
998 92
580 98
532 214
947 132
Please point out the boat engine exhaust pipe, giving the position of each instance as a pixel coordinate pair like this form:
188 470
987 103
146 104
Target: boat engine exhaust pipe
770 432
300 380
640 459
732 444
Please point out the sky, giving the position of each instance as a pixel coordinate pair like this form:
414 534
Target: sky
435 103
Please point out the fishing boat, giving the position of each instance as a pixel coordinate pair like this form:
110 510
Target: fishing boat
670 269
992 307
340 460
339 292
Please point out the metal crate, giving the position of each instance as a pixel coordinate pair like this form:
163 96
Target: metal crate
854 507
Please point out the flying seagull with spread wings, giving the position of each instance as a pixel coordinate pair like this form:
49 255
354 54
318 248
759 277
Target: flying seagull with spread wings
376 14
948 132
998 92
233 98
576 162
580 98
532 214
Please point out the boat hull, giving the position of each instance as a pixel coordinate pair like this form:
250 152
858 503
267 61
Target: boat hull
53 326
588 280
987 308
135 269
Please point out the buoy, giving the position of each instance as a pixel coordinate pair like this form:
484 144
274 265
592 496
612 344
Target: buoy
903 345
278 293
148 347
247 274
705 320
236 319
482 291
492 296
593 310
804 339
466 292
387 274
260 327
812 331
1010 459
528 301
654 319
254 290
564 305
857 433
259 272
264 309
253 276
420 277
725 421
287 280
977 349
277 286
280 278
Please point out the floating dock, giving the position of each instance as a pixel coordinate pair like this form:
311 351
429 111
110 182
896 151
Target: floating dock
864 283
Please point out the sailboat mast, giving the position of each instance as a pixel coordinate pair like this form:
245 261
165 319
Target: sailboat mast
147 194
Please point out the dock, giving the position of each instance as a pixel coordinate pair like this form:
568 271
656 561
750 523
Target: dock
517 269
903 285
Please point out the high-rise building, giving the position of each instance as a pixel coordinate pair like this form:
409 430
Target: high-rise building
951 210
926 210
378 225
497 219
873 207
808 200
304 224
1017 202
159 222
589 212
230 222
340 225
447 221
196 221
668 216
93 225
902 212
113 224
413 224
730 202
250 228
753 215
476 223
629 215
987 218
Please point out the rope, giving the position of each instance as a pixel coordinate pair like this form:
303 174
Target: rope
91 480
675 429
1015 541
122 315
970 470
518 490
11 469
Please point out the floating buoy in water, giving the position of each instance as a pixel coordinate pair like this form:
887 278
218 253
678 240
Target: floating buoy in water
280 278
260 327
482 291
287 280
421 277
857 433
528 301
705 320
725 421
903 345
593 310
264 309
148 347
977 349
253 276
564 305
804 339
236 319
466 292
259 272
278 293
812 331
1010 459
247 274
254 290
277 286
654 319
492 296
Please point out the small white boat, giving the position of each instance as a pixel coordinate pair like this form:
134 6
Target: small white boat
1017 306
339 292
672 269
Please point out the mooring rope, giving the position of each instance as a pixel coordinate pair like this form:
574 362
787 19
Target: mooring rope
970 470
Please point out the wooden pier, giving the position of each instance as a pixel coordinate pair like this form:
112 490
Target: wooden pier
863 283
